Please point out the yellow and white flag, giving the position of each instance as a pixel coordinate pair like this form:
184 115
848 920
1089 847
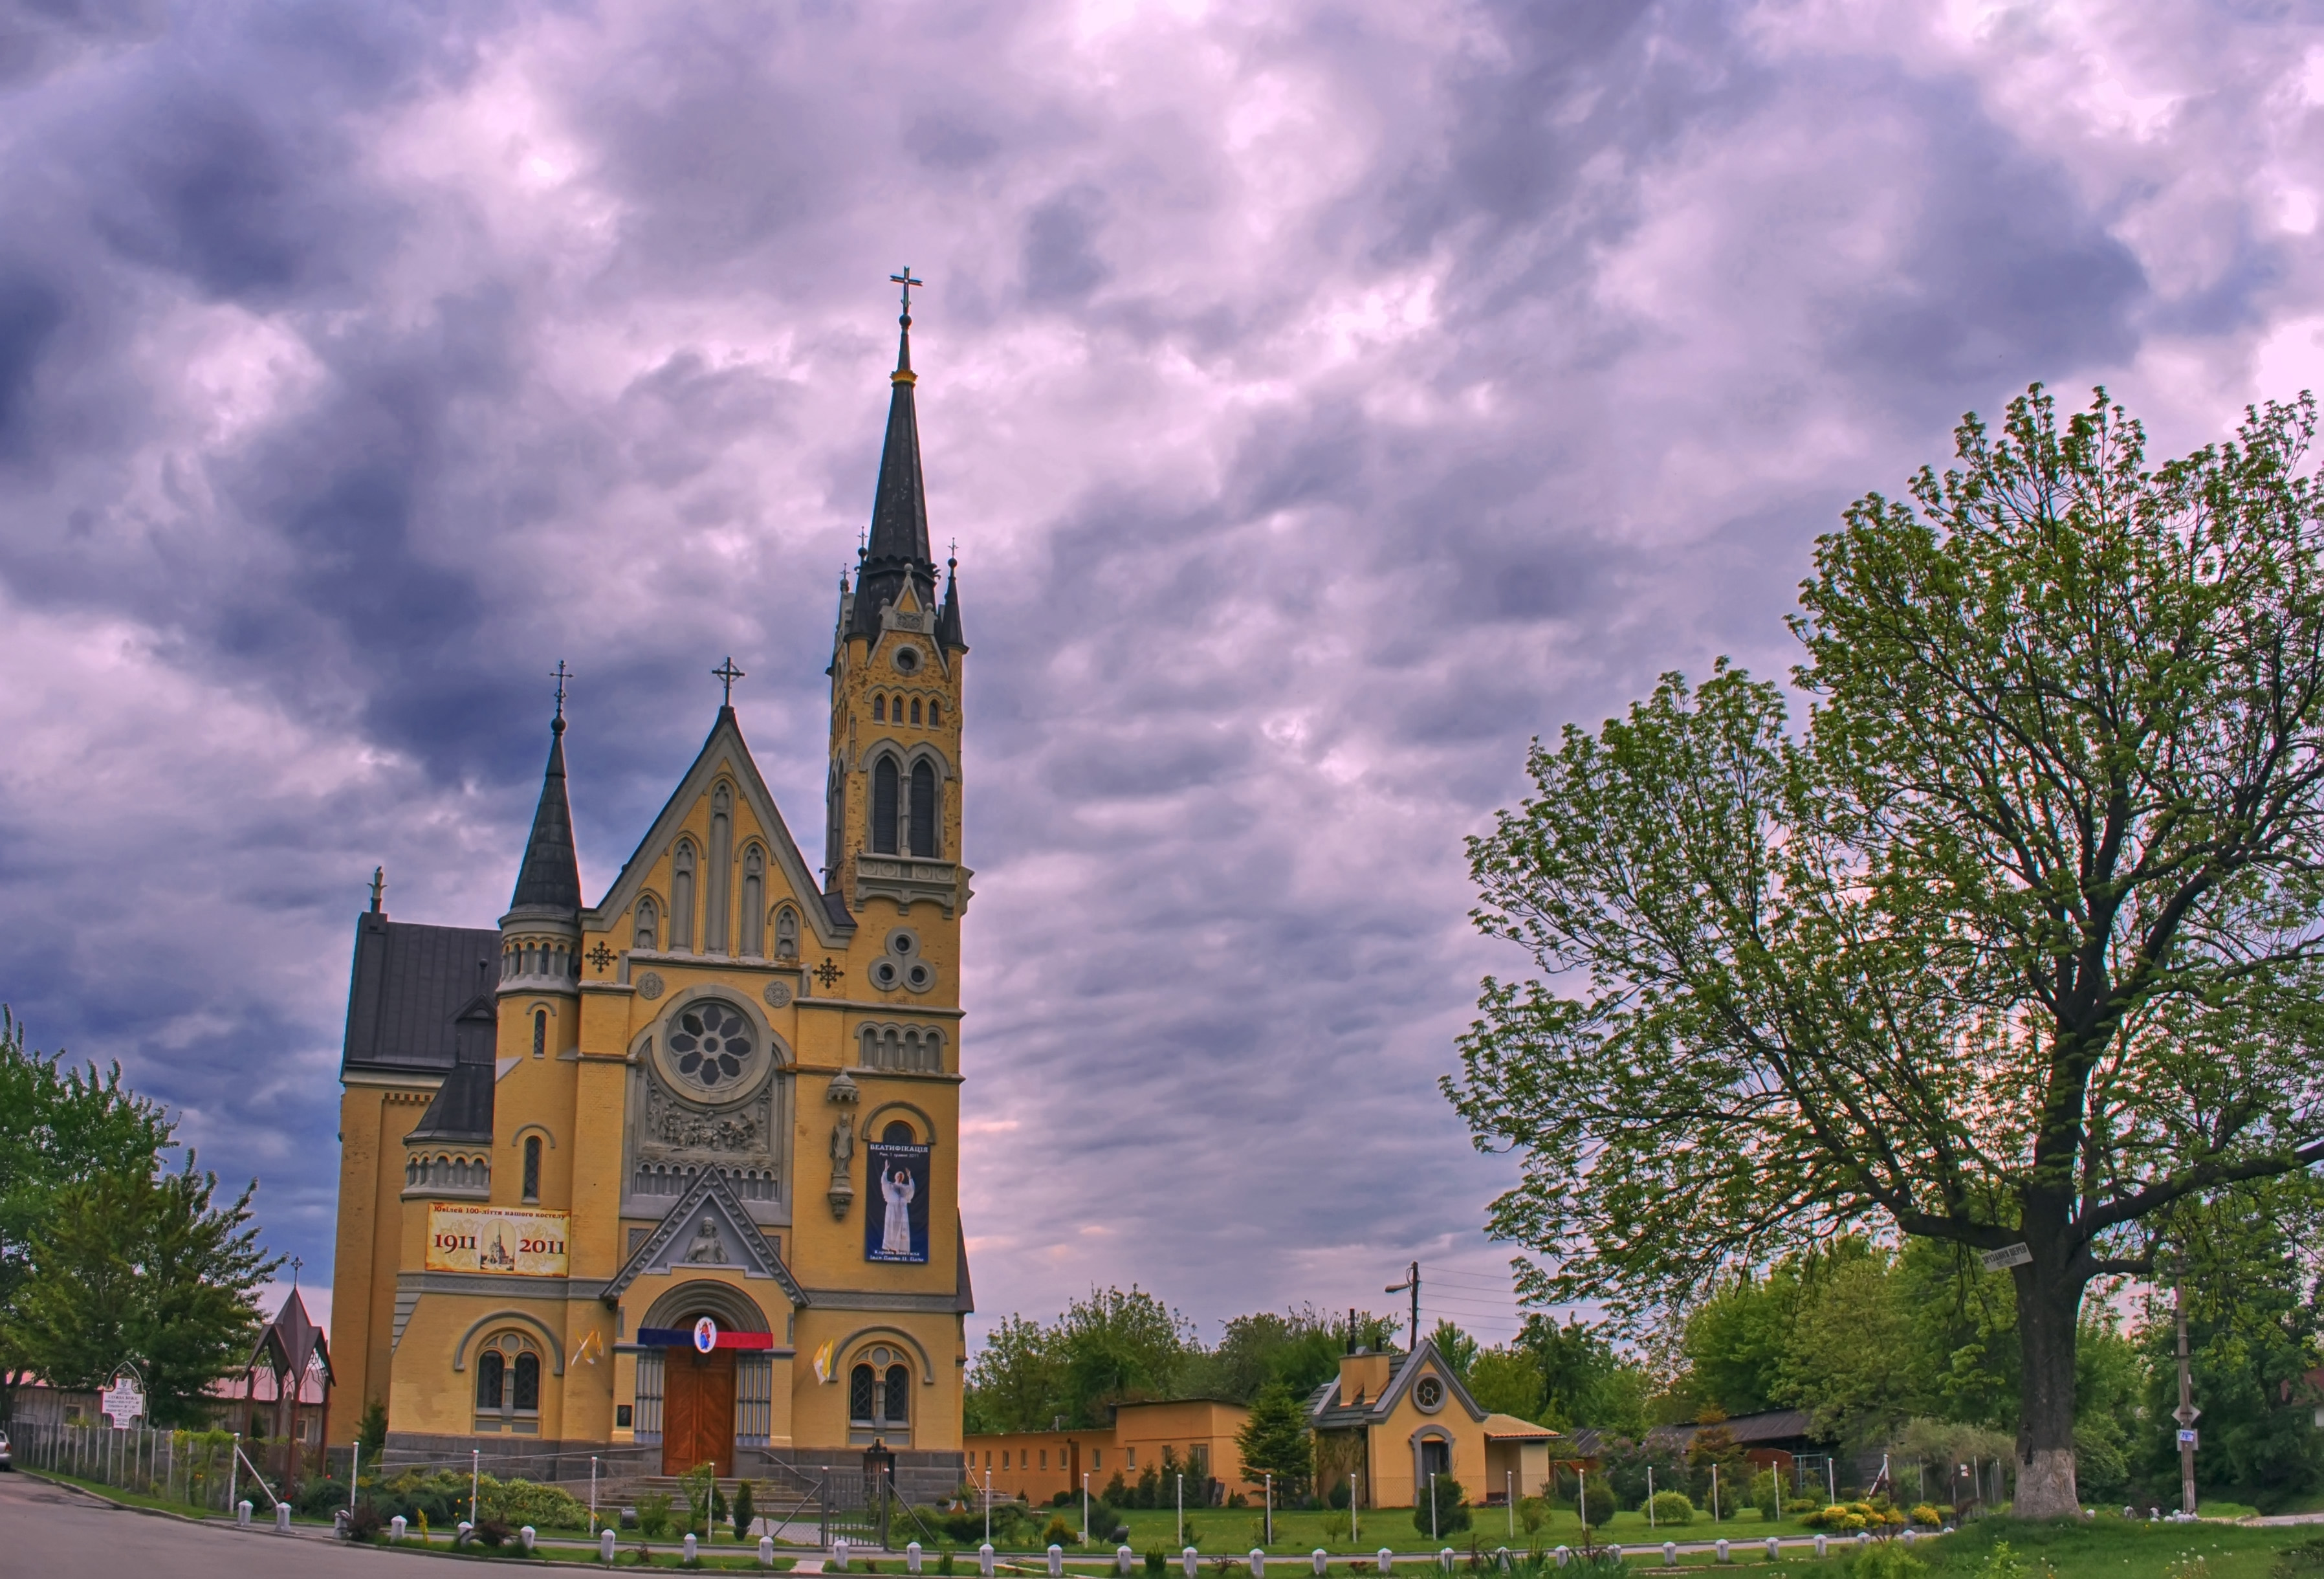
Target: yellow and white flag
592 1348
823 1360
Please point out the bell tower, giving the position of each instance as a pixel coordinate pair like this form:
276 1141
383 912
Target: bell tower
892 808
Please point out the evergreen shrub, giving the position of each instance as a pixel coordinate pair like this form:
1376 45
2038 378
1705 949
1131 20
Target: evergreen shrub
1671 1508
1451 1510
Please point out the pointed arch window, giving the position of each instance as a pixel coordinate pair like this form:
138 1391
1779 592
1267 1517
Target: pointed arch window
681 895
533 1167
718 912
885 787
754 901
936 714
879 709
923 809
540 1031
916 709
649 930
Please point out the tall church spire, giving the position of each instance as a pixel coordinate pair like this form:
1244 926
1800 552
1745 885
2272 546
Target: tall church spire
550 878
896 552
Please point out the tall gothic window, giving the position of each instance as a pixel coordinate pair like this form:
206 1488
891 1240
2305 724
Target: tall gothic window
718 912
649 923
540 1031
916 709
923 809
936 714
883 806
754 901
681 895
879 709
533 1167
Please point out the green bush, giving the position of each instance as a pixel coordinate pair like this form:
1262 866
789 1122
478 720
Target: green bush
1156 1562
1060 1533
1886 1559
1671 1508
744 1513
1600 1503
653 1515
1928 1514
1451 1507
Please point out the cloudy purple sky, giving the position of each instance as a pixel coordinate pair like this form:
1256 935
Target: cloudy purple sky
1325 397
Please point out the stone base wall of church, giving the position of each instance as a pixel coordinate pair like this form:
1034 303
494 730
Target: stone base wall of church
523 1457
921 1477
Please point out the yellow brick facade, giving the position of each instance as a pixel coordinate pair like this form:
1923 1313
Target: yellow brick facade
701 1092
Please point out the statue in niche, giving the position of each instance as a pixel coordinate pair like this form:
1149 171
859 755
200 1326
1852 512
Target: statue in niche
843 1153
708 1250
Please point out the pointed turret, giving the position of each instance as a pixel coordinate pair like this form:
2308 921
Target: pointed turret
541 936
948 629
550 878
897 553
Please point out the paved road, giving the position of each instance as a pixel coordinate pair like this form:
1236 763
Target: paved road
46 1529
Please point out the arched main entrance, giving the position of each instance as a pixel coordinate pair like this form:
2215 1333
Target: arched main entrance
698 1390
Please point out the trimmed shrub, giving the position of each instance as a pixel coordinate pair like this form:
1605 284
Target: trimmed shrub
1600 1504
1451 1507
1671 1508
1928 1514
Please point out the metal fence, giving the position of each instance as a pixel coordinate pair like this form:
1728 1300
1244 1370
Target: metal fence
195 1469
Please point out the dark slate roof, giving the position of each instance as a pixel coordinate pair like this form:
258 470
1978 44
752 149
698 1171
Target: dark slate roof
291 1339
948 631
1325 1413
963 1295
407 984
834 905
462 1105
898 548
551 877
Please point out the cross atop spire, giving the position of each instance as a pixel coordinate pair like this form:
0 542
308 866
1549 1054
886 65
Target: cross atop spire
727 675
560 677
907 281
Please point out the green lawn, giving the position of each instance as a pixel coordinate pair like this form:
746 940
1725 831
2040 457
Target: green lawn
1218 1530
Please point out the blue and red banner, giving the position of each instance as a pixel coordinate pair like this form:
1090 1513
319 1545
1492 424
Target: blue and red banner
695 1337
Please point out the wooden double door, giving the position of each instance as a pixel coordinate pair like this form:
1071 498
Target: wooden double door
697 1410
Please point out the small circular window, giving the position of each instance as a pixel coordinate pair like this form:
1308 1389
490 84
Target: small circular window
1429 1394
712 1044
906 659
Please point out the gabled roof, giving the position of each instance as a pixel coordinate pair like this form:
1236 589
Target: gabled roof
406 984
831 922
1509 1429
1326 1412
551 877
664 1249
1765 1428
291 1340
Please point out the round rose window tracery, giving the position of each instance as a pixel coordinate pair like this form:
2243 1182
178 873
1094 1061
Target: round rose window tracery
712 1045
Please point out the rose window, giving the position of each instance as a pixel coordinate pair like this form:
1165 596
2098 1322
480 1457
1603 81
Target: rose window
712 1044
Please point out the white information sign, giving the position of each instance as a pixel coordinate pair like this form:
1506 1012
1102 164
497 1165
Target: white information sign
121 1402
2008 1255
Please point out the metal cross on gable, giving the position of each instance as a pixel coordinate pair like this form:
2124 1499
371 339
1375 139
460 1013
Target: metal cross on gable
728 674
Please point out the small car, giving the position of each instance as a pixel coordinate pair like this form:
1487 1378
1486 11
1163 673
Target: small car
6 1462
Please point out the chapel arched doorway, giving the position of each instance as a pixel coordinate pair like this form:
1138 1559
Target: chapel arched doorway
702 1393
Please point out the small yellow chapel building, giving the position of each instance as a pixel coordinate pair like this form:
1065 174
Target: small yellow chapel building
673 1177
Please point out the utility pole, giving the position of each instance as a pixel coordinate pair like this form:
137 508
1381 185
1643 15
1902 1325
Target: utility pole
2186 1414
1411 1281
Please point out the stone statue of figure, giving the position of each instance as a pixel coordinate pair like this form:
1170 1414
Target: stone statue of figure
896 1233
707 1250
843 1146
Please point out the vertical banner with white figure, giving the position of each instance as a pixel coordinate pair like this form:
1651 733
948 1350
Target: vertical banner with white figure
896 1228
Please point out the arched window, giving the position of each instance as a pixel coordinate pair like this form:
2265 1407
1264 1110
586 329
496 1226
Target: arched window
754 903
898 1133
936 714
649 923
898 1404
718 892
916 709
884 787
533 1167
862 1391
540 1031
786 933
681 895
879 709
491 1375
528 1383
923 809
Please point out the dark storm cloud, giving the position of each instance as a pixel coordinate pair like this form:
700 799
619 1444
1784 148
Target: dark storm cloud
1326 400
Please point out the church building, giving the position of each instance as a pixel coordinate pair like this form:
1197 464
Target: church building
672 1179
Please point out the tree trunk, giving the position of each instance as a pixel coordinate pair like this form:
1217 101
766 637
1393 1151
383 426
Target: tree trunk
2049 1314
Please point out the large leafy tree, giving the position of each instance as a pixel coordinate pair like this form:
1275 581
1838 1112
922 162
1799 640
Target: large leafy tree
2014 944
58 1124
151 1270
